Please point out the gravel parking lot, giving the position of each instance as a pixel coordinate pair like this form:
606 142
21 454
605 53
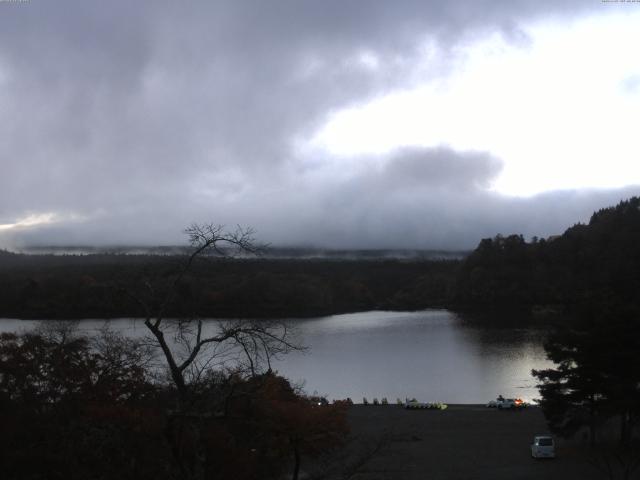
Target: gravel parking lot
461 442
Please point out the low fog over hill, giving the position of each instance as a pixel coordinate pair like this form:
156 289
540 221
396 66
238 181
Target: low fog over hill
302 253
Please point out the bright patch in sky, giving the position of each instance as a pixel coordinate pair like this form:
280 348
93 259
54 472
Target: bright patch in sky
30 221
561 112
40 219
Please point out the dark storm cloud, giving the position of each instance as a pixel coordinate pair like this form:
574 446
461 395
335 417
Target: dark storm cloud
438 167
129 120
426 198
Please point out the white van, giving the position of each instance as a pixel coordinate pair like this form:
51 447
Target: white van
543 447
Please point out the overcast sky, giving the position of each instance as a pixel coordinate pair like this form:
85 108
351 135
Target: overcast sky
333 123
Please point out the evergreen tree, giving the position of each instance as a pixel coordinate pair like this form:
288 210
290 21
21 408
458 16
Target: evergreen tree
597 374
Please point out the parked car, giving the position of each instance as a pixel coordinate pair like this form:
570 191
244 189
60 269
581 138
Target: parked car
507 403
543 447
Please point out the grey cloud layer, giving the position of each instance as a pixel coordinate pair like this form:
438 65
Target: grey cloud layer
144 116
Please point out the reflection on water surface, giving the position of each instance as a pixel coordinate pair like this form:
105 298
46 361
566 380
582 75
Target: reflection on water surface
431 355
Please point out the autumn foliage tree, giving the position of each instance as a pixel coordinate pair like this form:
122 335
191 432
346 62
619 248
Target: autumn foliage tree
70 408
77 407
271 430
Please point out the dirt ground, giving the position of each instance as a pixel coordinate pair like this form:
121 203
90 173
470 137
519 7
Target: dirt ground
461 442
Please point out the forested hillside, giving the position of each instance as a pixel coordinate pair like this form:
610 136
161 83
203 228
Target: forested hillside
97 286
597 262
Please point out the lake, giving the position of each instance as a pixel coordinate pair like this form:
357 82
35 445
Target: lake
432 355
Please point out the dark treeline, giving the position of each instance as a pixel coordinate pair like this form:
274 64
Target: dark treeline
82 286
598 262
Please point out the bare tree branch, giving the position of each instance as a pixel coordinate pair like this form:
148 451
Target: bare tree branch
258 342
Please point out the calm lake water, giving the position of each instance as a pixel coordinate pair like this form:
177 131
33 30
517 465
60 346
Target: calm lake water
431 355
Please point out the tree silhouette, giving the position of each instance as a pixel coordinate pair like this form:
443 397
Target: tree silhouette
597 374
190 349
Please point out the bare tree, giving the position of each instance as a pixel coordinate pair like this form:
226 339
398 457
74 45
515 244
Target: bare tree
196 351
189 346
